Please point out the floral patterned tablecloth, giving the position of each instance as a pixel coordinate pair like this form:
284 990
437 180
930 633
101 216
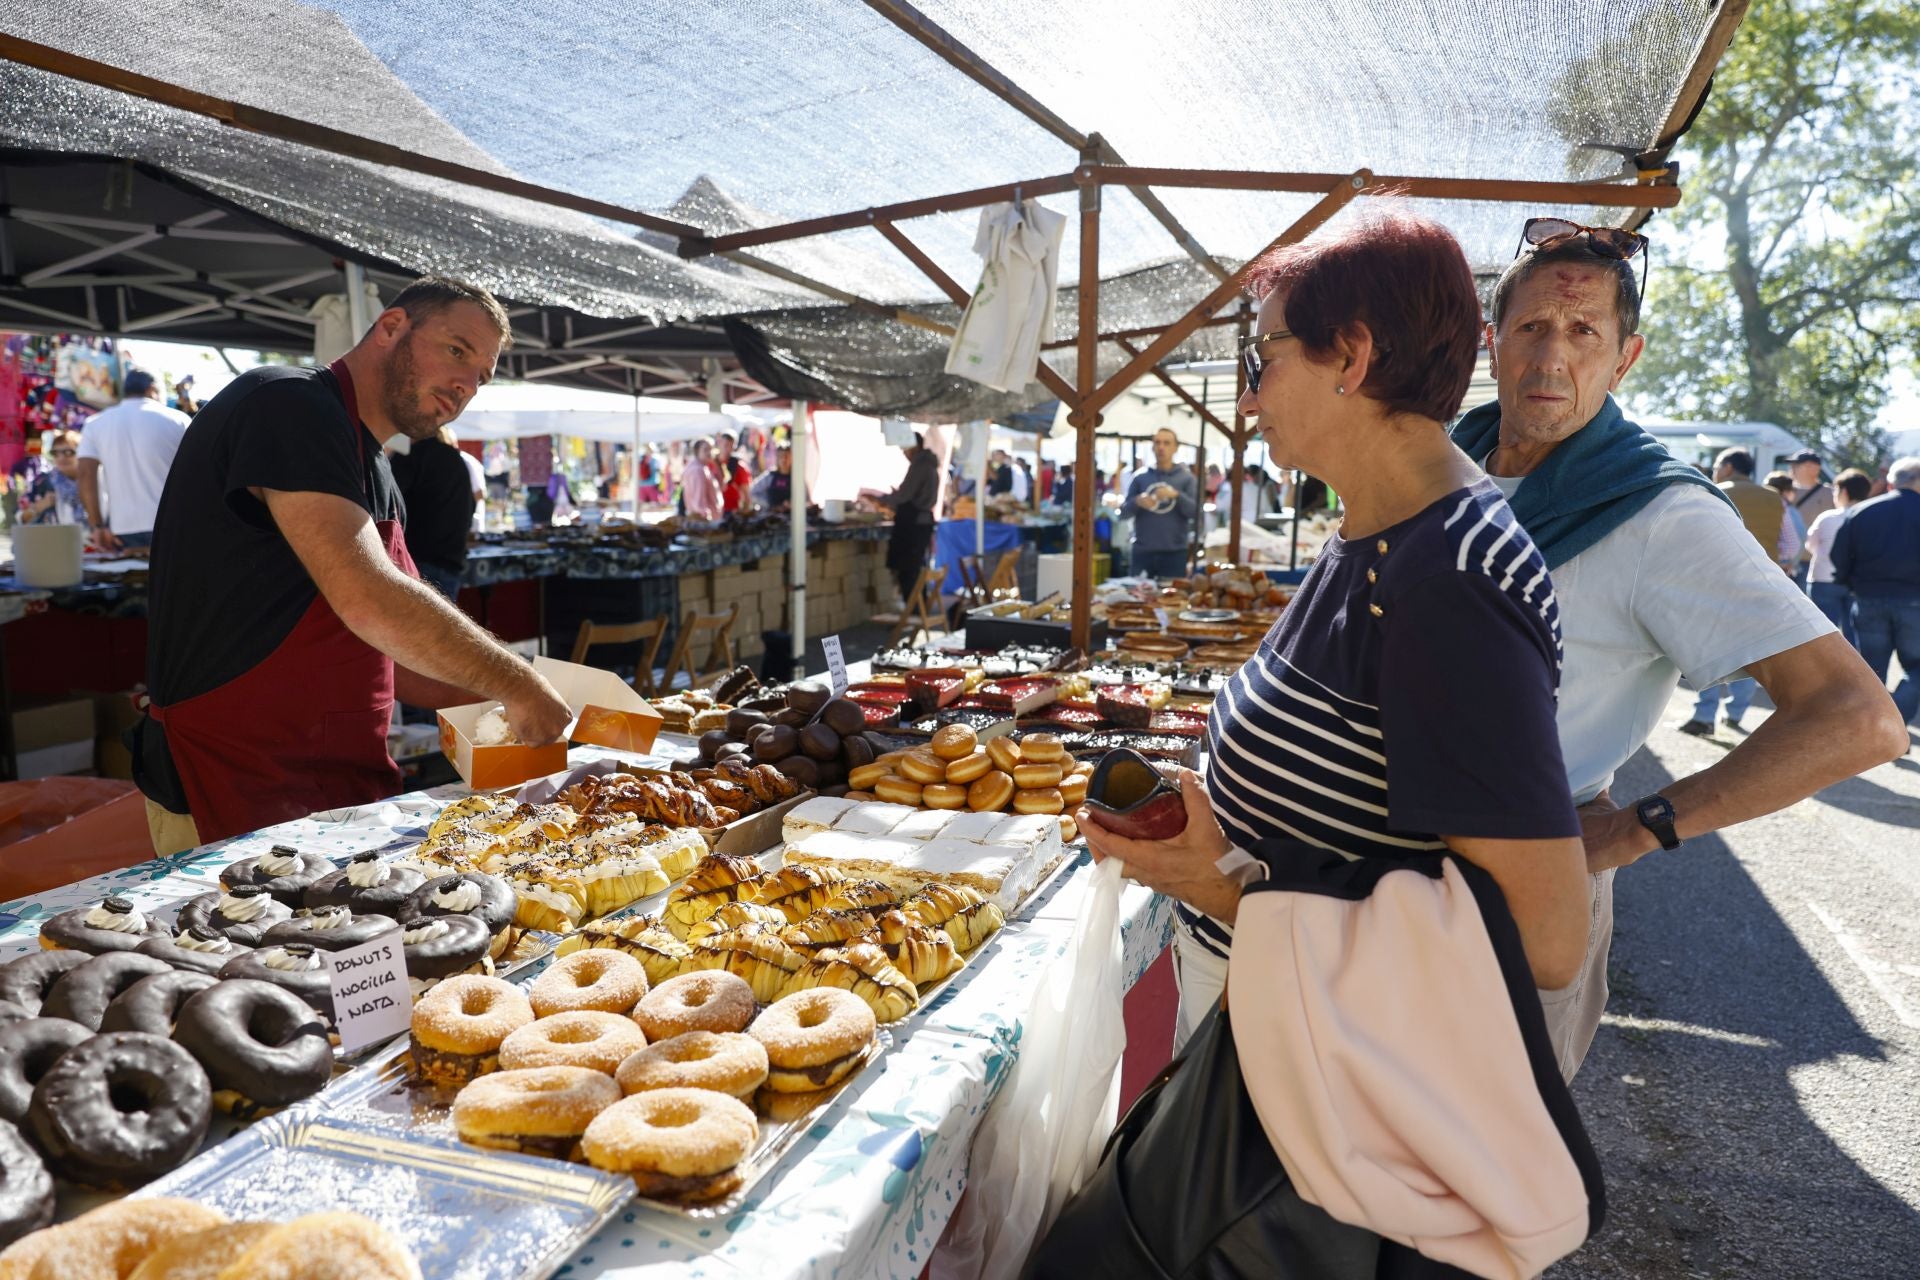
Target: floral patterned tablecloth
871 1187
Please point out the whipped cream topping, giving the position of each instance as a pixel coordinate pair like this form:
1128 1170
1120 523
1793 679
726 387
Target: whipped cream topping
220 944
461 895
367 874
288 961
116 915
335 918
280 861
425 931
242 908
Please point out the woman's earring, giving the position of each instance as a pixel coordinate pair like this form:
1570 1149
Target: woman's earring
1339 391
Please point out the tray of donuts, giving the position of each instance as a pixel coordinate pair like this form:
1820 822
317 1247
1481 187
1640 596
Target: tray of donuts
691 1091
1013 773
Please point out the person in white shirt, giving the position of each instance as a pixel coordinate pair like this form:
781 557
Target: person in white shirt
1850 488
1022 481
133 443
477 477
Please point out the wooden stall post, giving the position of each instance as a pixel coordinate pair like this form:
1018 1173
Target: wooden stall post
1085 422
1236 477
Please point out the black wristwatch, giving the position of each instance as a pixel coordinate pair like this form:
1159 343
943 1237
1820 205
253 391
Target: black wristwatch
1656 815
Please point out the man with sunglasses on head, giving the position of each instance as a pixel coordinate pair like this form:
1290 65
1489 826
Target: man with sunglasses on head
1657 580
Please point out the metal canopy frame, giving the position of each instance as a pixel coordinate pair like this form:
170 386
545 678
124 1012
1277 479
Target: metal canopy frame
1654 186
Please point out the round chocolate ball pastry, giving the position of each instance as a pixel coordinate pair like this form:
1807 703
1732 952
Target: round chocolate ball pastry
292 966
488 899
330 929
366 886
282 871
261 1046
26 981
120 1110
438 947
83 995
10 1012
113 925
844 716
28 1050
151 1004
243 913
199 947
820 742
26 1189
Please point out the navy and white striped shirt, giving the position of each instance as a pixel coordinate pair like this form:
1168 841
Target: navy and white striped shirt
1407 692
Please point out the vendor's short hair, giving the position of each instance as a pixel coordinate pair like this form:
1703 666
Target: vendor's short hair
1403 277
1855 483
430 295
1626 300
1739 460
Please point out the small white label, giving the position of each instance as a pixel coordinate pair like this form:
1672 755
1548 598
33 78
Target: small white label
372 1001
1161 616
836 664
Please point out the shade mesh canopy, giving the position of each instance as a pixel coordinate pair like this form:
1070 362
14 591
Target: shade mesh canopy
756 112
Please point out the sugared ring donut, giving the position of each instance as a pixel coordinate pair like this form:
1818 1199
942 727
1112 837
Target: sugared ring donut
991 793
353 1245
83 995
282 871
26 981
330 929
262 1046
813 1038
537 1110
151 1004
679 1143
92 1246
27 1050
120 1110
724 1061
598 978
710 1000
113 925
1043 748
586 1038
954 742
26 1189
459 1025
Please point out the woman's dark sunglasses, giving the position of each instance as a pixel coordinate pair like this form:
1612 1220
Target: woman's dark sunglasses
62 453
1250 355
1608 242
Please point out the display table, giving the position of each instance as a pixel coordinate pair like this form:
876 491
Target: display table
870 1189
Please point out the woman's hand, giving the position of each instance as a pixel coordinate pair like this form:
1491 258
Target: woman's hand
1180 867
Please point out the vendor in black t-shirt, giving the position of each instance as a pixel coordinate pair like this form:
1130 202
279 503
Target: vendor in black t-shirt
437 490
284 614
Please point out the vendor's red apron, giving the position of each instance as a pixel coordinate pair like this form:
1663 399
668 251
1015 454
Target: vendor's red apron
306 729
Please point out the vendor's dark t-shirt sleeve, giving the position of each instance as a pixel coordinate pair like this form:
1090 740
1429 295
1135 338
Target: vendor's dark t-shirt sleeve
1467 685
278 439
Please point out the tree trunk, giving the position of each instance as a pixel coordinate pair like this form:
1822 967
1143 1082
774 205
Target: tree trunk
1762 345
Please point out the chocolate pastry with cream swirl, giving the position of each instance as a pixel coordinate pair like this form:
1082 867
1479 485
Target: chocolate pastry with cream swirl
439 947
282 871
243 913
200 948
113 925
366 886
489 899
292 966
329 929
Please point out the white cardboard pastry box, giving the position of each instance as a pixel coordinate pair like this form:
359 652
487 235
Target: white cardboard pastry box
606 713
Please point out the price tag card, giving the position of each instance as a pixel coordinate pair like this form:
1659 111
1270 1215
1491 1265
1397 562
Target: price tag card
371 999
1160 615
836 664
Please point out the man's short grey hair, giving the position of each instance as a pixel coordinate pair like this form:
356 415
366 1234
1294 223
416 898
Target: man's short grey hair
1904 473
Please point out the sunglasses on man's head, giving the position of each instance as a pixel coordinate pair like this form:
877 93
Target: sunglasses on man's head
1608 242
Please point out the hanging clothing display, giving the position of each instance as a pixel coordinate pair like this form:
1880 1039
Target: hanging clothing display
1010 314
333 334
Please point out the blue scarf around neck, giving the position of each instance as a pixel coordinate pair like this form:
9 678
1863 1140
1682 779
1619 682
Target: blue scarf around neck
1596 480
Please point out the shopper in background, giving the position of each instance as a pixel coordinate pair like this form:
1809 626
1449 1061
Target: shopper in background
1850 489
54 495
733 477
1793 534
133 443
1764 513
1810 497
999 474
1876 556
700 484
439 495
1022 482
774 490
913 505
1162 502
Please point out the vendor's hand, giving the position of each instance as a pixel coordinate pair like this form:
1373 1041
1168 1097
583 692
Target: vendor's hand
1181 867
538 714
102 537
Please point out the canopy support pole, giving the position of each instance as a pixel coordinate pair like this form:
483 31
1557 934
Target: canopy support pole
357 300
1238 476
633 463
798 434
1086 418
1197 534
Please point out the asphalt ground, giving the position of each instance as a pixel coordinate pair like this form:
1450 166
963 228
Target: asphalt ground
1754 1094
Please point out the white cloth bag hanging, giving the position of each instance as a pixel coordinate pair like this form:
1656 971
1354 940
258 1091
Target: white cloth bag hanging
1010 314
1043 1135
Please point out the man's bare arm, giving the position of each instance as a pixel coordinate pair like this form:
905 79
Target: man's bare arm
417 690
90 503
405 619
1833 720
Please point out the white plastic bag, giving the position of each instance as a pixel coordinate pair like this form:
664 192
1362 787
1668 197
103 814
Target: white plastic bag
1043 1135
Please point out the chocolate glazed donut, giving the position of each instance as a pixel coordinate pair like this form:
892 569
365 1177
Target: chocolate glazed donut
498 901
288 886
351 931
170 950
388 898
151 1004
26 981
204 910
26 1190
258 1042
70 931
459 946
83 995
120 1110
10 1012
309 985
28 1051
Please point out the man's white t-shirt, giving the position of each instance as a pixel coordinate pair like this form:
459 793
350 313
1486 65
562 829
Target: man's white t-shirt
1681 590
1022 487
134 442
478 479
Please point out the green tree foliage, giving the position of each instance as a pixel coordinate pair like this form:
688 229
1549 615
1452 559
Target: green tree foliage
1803 291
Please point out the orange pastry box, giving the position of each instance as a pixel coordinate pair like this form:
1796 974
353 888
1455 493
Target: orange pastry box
607 713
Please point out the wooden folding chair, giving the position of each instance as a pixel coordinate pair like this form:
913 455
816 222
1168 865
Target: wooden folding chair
973 581
926 610
1006 577
653 631
720 658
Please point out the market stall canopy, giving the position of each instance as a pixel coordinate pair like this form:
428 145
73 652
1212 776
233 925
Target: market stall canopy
809 108
504 411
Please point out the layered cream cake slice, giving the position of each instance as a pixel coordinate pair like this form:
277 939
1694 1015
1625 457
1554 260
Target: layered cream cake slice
856 856
976 827
812 816
997 872
923 824
873 818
